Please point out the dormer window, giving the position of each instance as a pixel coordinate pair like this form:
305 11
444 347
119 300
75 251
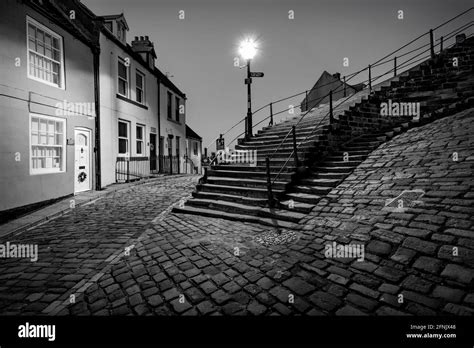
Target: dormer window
120 32
108 26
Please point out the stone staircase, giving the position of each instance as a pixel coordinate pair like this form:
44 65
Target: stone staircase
328 153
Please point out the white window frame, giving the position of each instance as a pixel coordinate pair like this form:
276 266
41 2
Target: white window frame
128 138
127 81
61 85
138 140
39 171
142 88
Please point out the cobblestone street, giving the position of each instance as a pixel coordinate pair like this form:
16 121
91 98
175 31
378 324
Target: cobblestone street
129 254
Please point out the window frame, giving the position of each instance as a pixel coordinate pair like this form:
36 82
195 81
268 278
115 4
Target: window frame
41 171
52 33
142 89
140 140
176 109
178 146
128 138
127 82
169 106
195 148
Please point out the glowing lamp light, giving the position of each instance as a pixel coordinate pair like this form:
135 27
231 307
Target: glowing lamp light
248 49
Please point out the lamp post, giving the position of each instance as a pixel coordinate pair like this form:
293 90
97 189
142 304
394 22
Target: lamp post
247 50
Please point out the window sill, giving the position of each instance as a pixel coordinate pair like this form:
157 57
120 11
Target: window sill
174 121
121 97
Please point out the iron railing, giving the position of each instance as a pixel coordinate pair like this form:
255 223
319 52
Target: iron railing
129 169
389 58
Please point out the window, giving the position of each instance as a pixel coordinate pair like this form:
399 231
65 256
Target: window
170 98
108 26
123 135
120 32
140 82
140 132
195 148
177 146
170 144
47 144
44 54
176 108
122 78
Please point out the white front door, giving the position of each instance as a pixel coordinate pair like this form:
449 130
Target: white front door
82 165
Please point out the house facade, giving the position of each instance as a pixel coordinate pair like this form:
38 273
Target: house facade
172 141
128 104
193 164
47 102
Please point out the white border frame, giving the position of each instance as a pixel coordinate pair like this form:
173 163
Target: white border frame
61 43
120 59
129 138
64 162
143 102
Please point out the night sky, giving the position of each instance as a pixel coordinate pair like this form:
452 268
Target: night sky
199 50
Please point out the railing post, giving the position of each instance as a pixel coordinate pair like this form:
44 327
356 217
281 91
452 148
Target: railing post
271 114
269 183
432 44
331 115
370 78
204 178
344 78
128 169
440 44
394 66
295 150
306 100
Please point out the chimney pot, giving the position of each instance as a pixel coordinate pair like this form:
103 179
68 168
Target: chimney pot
146 37
136 38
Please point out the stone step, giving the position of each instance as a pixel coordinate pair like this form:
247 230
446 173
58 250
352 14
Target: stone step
304 197
332 169
235 217
314 190
321 182
262 202
248 174
239 167
232 207
246 183
255 192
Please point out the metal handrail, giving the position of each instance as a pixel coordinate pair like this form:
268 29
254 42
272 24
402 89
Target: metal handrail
328 114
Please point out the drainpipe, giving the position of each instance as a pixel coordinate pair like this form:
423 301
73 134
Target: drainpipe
96 54
159 124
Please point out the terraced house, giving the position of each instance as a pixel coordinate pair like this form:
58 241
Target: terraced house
135 97
47 102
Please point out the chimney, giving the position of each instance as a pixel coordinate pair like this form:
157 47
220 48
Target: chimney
460 38
337 75
145 48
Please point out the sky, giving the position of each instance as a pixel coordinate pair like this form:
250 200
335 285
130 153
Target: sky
199 50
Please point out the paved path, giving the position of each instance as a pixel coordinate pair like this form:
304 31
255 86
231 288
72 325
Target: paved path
418 258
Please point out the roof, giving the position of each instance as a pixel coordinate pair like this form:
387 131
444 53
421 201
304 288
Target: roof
120 17
82 28
192 134
155 71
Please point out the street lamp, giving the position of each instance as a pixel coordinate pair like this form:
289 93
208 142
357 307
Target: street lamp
248 50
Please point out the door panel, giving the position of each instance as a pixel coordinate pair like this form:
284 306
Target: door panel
82 160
